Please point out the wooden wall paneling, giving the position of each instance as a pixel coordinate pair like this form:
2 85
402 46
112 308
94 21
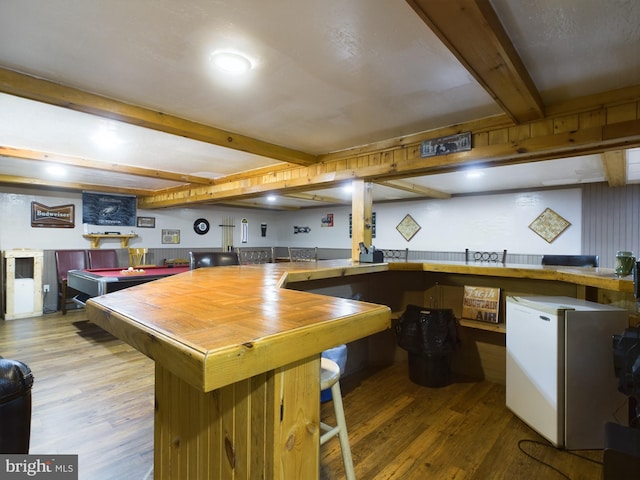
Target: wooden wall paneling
566 123
519 132
593 118
542 128
297 435
578 125
499 137
242 426
610 221
480 355
480 139
621 113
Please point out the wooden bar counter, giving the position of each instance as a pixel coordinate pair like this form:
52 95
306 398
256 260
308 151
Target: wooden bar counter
594 284
237 364
602 278
237 348
482 351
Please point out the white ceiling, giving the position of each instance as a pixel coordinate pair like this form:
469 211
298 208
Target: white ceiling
328 76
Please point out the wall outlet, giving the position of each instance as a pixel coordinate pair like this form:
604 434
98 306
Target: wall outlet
45 288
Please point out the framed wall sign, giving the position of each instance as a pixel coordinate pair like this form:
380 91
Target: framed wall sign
443 145
146 222
171 236
61 216
108 209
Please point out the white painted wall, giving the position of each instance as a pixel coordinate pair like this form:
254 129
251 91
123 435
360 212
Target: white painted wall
490 222
16 230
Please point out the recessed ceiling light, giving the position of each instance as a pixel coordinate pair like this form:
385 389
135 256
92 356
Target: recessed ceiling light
348 188
56 170
474 173
271 198
231 62
106 138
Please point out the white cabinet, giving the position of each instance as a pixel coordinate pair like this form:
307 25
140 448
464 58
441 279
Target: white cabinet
23 283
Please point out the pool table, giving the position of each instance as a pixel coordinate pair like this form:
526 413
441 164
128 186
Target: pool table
99 281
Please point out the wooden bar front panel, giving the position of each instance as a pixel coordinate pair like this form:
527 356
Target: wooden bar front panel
266 426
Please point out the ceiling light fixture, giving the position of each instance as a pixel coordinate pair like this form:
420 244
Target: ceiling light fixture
56 170
231 62
271 198
474 173
106 138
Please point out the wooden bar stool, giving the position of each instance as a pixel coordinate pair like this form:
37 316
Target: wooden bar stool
329 378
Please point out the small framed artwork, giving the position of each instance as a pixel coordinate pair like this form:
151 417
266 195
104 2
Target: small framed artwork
549 225
408 227
327 220
171 236
146 222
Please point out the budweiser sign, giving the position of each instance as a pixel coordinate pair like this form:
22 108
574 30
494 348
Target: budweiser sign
62 216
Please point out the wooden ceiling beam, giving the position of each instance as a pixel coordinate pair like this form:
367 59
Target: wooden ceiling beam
473 33
595 131
615 167
261 206
413 188
581 105
72 186
45 91
34 155
319 198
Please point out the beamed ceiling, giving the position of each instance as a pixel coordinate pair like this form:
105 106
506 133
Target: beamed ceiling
549 91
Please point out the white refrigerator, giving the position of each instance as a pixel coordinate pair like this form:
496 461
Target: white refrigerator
560 377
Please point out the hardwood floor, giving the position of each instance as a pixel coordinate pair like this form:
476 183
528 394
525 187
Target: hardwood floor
93 396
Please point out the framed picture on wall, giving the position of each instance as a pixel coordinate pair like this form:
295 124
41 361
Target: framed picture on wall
146 222
171 236
549 225
408 227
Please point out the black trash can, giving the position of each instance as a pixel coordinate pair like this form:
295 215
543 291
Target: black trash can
16 380
430 336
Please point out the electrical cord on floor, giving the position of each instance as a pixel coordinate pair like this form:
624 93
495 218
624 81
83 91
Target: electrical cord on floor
542 444
44 309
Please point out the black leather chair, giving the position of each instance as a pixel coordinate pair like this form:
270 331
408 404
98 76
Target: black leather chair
212 259
571 260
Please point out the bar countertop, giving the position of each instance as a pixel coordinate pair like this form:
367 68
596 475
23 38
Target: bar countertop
224 324
215 326
604 278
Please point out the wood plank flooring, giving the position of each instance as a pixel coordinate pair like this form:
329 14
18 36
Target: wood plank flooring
93 396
